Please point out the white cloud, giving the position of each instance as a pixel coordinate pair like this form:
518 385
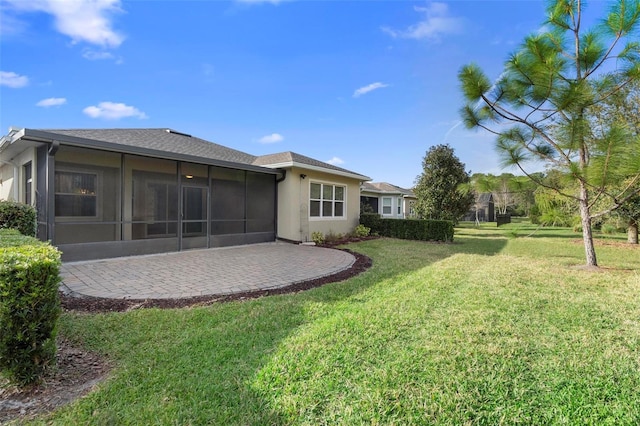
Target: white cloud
272 138
113 111
83 20
366 89
437 22
336 161
49 102
13 80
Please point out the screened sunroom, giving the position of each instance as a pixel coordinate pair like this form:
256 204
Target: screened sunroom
119 192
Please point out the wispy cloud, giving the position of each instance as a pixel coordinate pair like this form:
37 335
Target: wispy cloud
272 138
260 1
113 111
366 89
50 102
13 80
437 22
10 25
87 21
100 55
336 161
208 71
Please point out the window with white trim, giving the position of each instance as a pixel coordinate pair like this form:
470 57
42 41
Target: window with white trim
399 206
326 200
386 205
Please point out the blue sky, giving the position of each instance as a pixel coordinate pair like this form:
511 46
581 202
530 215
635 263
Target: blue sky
366 85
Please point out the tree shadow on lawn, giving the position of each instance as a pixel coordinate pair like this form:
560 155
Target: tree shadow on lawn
200 365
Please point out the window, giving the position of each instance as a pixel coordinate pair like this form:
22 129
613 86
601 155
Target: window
386 205
76 194
399 206
326 200
28 180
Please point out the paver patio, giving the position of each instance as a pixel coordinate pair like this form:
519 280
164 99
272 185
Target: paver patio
216 271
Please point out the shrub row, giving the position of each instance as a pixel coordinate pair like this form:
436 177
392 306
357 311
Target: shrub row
29 306
18 216
409 229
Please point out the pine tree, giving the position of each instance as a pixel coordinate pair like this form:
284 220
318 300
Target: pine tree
538 107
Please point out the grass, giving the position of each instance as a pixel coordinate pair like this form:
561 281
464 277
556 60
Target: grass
489 330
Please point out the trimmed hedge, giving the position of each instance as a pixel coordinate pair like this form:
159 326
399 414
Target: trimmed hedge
409 229
29 306
18 216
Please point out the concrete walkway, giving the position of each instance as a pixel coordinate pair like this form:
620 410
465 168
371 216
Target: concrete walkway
216 271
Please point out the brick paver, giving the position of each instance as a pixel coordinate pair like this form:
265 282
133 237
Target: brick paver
216 271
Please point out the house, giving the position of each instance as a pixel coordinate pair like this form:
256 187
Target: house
483 209
390 201
115 192
315 196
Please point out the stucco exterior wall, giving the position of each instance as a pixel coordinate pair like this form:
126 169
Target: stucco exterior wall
8 180
294 222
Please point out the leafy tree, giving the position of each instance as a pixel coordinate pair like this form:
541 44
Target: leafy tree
524 193
630 211
538 107
436 188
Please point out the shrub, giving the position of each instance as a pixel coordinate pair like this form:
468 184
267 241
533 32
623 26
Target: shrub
29 306
333 238
371 221
609 229
410 229
317 237
18 216
361 231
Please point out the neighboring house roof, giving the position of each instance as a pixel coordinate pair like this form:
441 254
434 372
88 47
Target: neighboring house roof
385 188
292 159
485 197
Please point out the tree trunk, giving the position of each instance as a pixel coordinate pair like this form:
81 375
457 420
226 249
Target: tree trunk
632 232
587 235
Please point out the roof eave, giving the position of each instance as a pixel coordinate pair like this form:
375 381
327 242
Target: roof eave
319 169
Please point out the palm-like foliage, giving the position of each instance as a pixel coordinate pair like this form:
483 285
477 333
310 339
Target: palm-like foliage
539 107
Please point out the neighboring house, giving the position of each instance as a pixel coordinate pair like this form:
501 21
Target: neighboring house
483 209
390 201
114 192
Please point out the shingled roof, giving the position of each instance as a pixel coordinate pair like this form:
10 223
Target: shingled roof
385 188
171 144
165 140
288 159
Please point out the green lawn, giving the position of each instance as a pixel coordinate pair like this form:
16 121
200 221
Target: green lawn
491 329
